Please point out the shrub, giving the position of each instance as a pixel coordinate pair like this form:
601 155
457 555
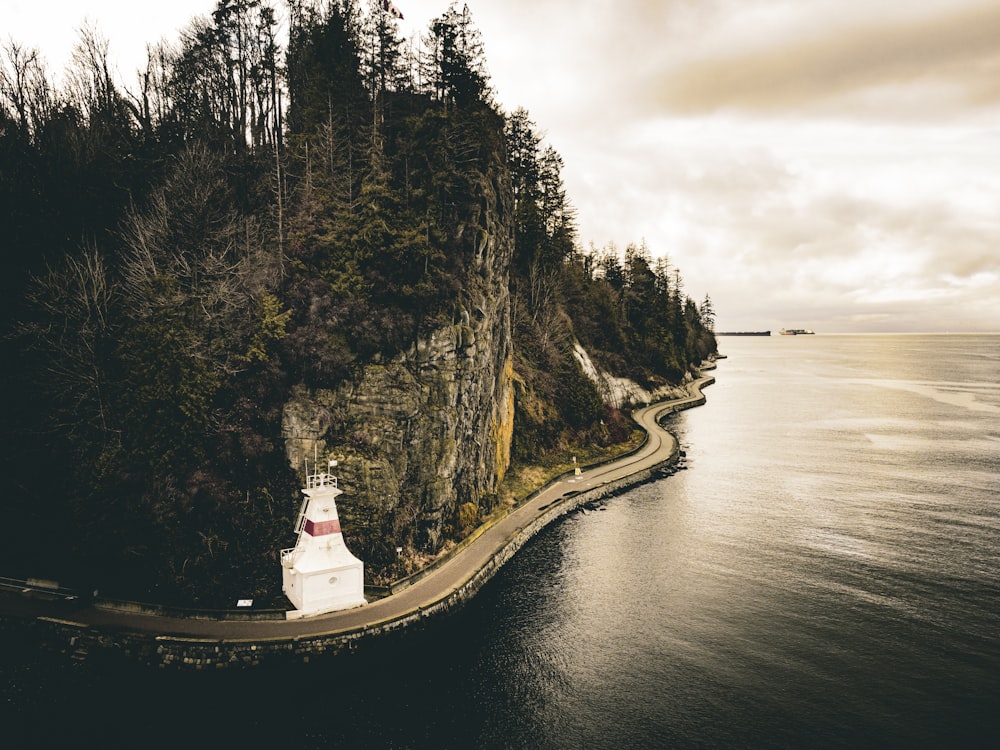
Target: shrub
468 516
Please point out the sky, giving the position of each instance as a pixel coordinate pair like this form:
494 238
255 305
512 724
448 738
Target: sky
823 164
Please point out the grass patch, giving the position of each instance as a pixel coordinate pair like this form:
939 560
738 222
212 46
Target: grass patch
520 482
523 479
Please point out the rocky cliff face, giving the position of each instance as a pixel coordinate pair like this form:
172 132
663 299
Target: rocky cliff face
429 430
620 392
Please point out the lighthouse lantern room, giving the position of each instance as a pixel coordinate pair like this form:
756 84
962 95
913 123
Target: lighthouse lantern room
319 574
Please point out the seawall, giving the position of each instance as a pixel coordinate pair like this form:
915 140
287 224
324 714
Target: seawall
84 641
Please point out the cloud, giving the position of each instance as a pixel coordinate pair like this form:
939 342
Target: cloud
778 245
888 67
819 164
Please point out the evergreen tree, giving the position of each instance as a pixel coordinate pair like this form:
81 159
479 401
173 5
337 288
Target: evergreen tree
707 313
558 214
324 67
456 68
523 148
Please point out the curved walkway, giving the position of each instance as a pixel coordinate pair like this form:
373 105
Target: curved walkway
448 585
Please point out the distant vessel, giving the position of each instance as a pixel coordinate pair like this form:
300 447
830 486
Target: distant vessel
796 332
743 333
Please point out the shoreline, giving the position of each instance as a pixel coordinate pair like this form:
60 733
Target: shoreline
134 632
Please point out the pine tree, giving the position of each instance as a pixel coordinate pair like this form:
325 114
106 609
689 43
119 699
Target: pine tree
707 313
324 68
456 69
557 213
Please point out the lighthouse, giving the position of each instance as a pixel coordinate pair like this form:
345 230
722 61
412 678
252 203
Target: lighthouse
319 574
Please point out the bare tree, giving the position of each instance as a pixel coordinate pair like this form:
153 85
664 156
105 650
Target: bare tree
72 331
24 87
190 252
91 87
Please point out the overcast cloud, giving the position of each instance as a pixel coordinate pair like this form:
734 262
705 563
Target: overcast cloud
824 164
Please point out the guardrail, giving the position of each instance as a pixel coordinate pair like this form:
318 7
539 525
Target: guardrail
41 587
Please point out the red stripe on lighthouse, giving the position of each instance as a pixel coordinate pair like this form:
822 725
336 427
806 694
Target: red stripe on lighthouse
322 528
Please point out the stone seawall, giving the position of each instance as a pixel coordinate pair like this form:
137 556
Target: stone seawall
83 641
199 653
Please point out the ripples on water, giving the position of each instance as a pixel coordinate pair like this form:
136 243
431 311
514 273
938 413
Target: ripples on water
824 574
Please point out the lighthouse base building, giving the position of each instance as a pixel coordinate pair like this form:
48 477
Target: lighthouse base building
319 574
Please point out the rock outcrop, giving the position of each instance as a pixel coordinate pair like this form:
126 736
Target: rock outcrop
620 392
421 434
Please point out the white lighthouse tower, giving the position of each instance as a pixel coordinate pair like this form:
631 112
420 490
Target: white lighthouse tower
319 574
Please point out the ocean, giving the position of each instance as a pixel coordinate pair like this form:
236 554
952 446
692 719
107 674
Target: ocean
824 573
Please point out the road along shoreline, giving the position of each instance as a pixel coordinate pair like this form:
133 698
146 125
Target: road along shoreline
85 632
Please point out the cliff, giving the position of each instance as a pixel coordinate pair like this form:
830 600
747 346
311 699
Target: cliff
430 429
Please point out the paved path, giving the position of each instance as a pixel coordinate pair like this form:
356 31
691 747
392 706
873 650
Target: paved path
432 589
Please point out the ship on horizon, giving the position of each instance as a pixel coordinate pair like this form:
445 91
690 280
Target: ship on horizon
796 332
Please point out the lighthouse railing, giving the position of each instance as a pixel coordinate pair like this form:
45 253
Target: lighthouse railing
322 479
290 556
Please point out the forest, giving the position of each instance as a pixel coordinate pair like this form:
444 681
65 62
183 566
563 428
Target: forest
252 213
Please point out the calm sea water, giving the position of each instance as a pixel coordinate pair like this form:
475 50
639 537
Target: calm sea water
825 573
